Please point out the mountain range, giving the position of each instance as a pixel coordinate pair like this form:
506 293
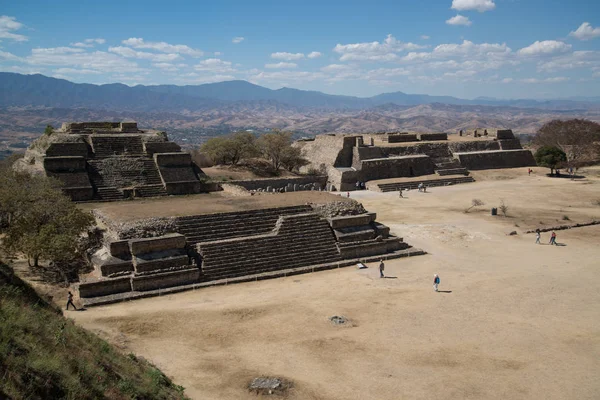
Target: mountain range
194 112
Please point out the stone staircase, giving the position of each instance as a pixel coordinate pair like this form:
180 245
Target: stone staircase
445 166
111 145
211 227
150 191
108 193
296 241
395 186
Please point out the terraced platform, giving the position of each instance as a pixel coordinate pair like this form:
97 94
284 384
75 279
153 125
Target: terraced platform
391 185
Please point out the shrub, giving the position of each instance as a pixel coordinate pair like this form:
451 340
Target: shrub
503 208
475 203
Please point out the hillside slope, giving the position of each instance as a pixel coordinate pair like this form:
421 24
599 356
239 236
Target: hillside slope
43 355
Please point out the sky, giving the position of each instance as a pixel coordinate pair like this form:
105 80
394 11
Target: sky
464 48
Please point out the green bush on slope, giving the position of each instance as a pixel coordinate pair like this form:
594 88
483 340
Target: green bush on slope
45 356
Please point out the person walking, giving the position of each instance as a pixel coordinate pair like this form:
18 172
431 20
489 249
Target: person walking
400 194
436 282
381 268
70 301
420 186
538 236
553 238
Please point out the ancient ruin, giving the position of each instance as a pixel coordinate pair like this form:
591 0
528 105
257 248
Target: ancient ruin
437 158
107 161
218 238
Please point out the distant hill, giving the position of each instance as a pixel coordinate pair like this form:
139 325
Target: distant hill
18 90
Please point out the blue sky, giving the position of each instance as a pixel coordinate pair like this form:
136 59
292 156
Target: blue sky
463 48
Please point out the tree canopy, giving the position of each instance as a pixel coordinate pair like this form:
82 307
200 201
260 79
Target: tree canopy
577 138
550 157
39 221
231 149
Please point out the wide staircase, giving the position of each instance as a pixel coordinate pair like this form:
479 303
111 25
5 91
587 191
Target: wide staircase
396 186
445 166
122 145
296 241
211 227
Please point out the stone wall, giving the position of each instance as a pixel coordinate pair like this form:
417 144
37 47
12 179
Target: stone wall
474 145
255 184
149 245
384 168
510 144
352 220
402 137
177 159
67 149
164 280
432 136
161 147
64 164
104 287
496 159
505 134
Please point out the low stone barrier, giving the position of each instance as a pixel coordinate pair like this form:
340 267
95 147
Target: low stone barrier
496 159
432 136
165 280
104 288
281 183
162 243
352 220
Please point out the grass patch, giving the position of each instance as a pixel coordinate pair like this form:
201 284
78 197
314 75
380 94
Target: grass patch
43 355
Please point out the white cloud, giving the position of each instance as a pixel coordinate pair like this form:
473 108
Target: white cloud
314 54
425 37
169 67
139 43
557 79
585 32
281 65
287 56
9 24
215 65
577 59
374 51
89 43
544 48
8 56
76 71
336 67
69 57
130 53
459 20
507 80
479 5
237 39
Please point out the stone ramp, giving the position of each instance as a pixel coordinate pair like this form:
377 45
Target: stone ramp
391 185
133 295
296 241
212 227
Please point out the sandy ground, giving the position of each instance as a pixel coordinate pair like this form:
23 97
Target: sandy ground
515 320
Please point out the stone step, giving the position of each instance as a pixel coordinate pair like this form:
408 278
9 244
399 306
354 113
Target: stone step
243 243
275 252
452 171
260 212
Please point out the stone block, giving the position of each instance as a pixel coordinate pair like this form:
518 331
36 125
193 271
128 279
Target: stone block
432 136
67 149
128 127
352 220
173 159
161 147
119 248
64 164
116 266
505 134
165 280
496 159
156 244
149 264
104 287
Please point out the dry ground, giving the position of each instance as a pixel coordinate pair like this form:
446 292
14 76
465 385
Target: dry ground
518 320
208 203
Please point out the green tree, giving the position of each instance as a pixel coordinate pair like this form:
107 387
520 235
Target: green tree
550 157
41 222
231 149
576 138
275 146
49 130
291 158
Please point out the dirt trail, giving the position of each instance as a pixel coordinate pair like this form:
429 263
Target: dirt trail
516 320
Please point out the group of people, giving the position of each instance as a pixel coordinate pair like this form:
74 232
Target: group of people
422 187
436 277
538 237
360 185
